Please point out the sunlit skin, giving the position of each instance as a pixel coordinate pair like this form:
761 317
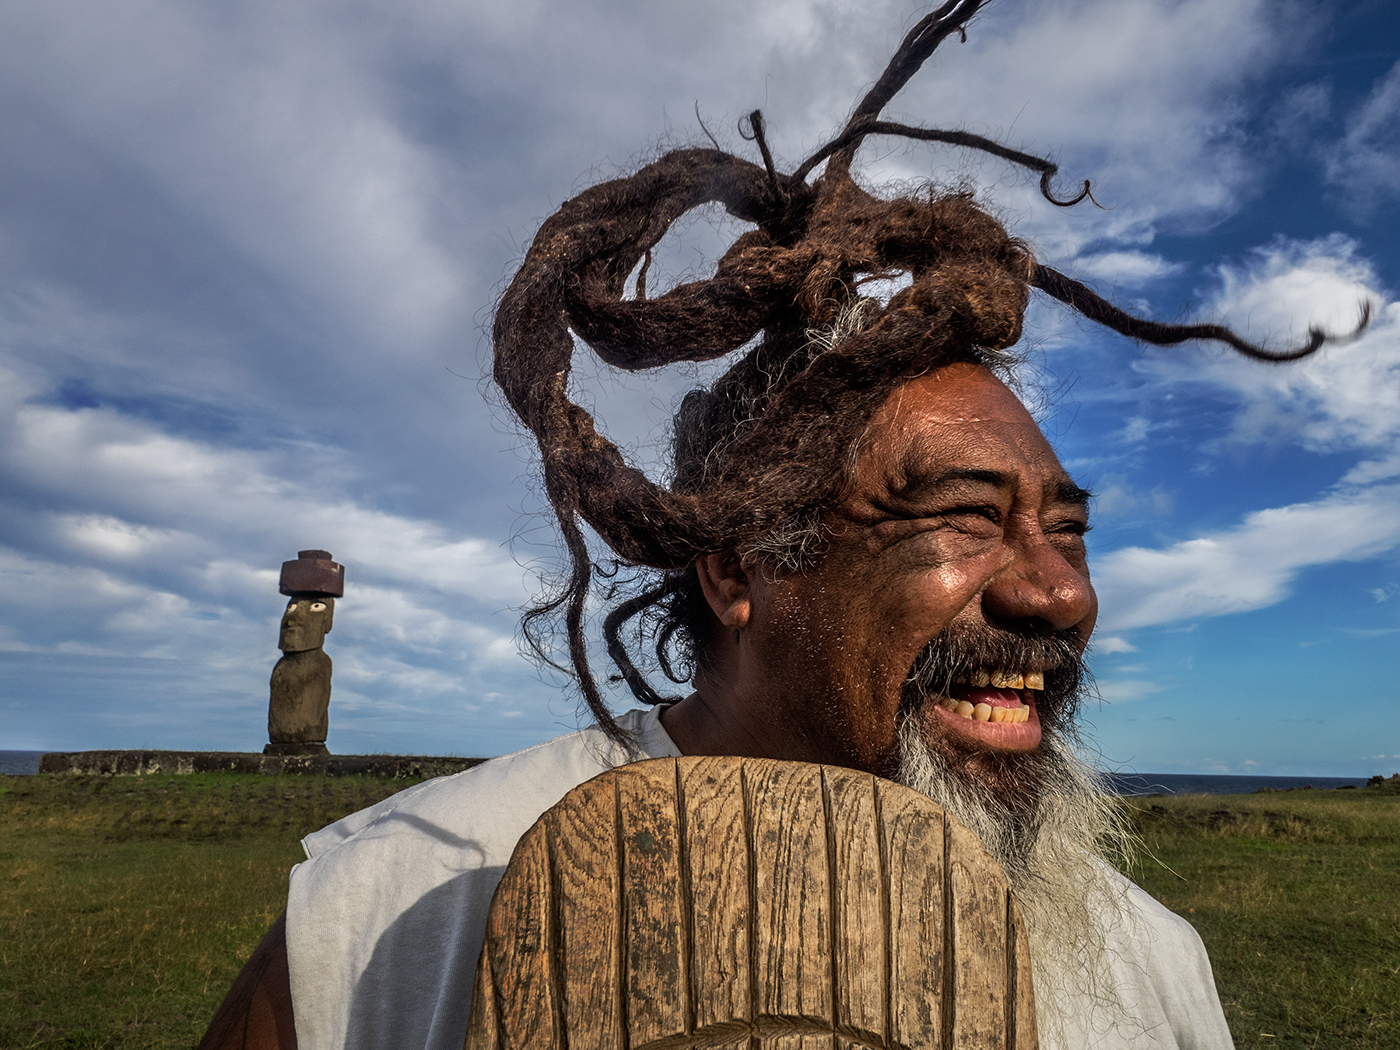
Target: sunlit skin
960 514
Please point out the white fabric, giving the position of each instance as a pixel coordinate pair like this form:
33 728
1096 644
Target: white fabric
1162 992
386 918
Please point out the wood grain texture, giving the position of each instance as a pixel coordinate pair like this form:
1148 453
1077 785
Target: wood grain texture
860 904
1020 1000
584 878
760 905
911 831
717 870
655 918
517 957
977 936
791 890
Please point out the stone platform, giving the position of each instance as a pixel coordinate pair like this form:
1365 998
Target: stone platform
138 763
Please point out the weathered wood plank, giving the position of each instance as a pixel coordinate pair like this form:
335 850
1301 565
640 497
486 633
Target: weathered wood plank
755 904
520 939
860 913
978 914
655 921
791 890
912 835
483 1027
1021 990
585 884
717 868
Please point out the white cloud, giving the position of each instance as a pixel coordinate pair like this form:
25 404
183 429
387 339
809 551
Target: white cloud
113 539
1111 644
1116 497
1125 690
162 495
173 554
1247 567
1049 78
1366 162
263 120
1125 269
377 167
1347 396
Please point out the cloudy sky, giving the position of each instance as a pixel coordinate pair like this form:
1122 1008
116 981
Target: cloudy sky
248 256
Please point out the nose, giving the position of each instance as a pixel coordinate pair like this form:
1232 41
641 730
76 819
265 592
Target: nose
1040 587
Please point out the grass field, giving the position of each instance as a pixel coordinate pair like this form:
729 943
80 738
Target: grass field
127 904
1297 897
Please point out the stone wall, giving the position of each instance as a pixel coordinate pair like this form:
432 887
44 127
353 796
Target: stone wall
137 763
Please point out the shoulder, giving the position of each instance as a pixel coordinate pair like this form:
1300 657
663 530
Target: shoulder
411 879
497 800
1155 929
1161 967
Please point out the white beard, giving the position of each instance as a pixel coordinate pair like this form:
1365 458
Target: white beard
1052 854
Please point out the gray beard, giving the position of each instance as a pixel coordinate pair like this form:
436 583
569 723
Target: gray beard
1050 839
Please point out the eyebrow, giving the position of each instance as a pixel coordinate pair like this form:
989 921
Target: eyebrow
1066 491
998 478
1059 490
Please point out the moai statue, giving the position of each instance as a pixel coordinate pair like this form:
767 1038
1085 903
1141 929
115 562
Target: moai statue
298 713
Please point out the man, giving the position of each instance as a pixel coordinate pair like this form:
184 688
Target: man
868 556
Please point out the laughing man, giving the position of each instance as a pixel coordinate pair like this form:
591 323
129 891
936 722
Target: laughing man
867 555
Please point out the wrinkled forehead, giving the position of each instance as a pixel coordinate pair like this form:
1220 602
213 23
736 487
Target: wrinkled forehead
960 418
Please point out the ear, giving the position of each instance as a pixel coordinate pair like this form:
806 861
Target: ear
725 582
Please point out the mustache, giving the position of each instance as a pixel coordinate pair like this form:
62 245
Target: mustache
959 651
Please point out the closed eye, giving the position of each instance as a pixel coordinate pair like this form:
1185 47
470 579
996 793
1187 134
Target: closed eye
991 513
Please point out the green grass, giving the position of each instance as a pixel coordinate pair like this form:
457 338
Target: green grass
128 904
1297 897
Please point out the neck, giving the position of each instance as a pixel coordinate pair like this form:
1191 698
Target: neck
738 709
731 712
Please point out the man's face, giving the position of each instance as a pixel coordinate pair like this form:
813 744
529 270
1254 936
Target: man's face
305 623
962 526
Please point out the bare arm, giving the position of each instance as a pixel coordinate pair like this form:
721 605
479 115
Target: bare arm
257 1012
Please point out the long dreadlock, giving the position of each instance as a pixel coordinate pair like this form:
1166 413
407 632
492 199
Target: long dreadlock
768 445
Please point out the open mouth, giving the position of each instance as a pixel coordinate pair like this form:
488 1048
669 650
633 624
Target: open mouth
992 696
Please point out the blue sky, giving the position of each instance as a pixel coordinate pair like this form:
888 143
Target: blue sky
248 253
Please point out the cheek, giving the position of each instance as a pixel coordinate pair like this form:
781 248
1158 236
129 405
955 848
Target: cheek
922 606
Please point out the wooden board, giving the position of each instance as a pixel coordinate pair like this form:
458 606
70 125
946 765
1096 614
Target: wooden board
759 905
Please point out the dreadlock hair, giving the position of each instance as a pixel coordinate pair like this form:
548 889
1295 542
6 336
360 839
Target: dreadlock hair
758 455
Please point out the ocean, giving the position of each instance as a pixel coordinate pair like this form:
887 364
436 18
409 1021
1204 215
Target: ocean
22 762
12 762
1218 784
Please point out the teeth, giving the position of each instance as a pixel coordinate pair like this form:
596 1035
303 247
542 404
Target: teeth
1003 680
985 712
998 680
